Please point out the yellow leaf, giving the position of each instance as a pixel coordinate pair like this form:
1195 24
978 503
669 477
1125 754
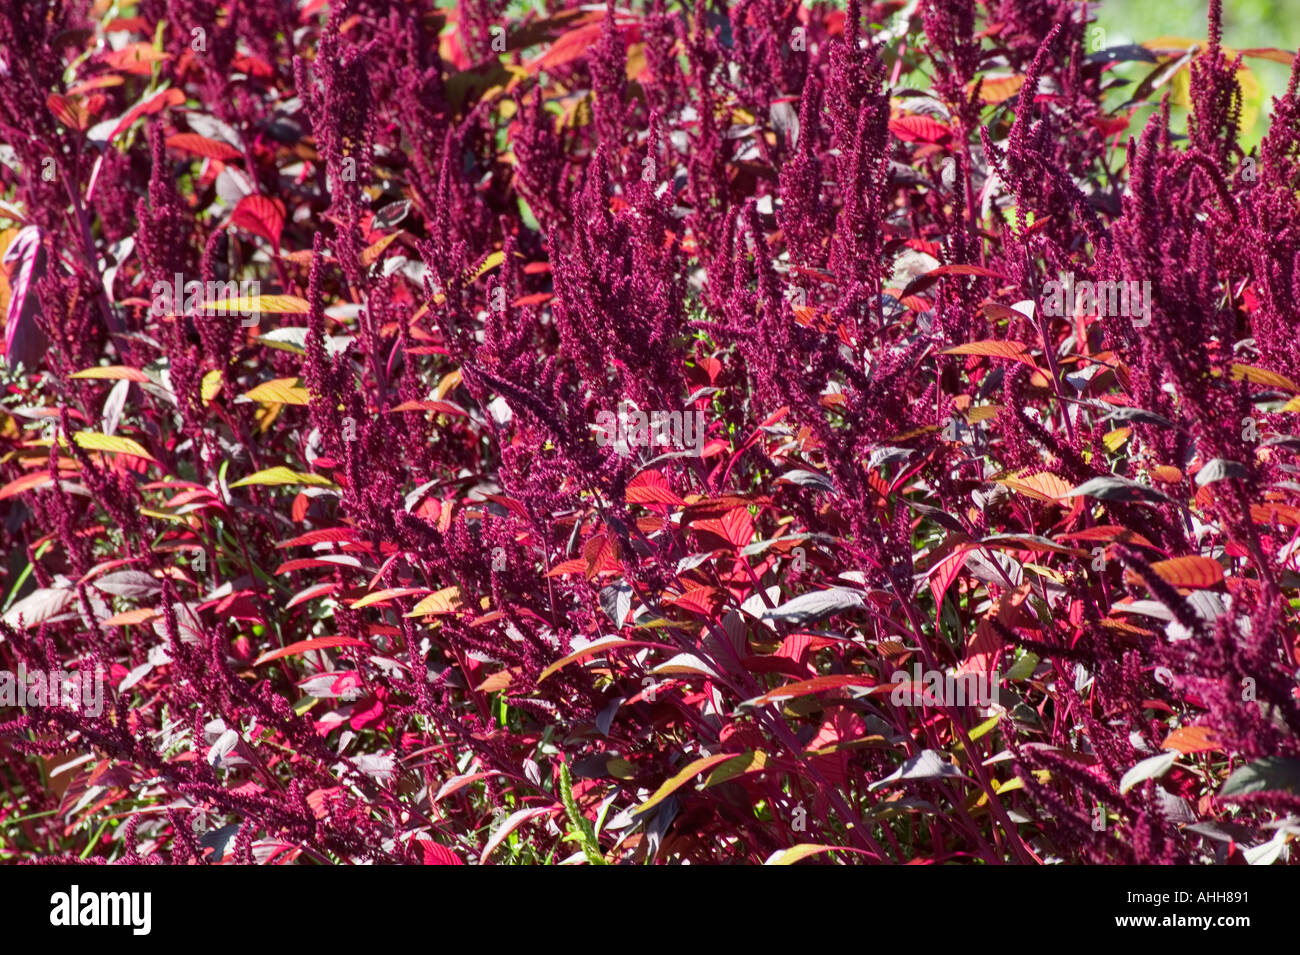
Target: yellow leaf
982 413
94 441
282 475
381 595
6 239
1114 440
491 262
750 762
210 387
112 372
688 772
261 304
1047 572
1262 376
284 391
165 516
795 853
591 649
446 600
372 254
266 415
448 382
983 728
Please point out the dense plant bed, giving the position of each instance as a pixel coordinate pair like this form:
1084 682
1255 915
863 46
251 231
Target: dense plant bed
709 435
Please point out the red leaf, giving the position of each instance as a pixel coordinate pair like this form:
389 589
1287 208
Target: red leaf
537 298
701 600
815 685
923 282
261 216
435 854
202 146
306 646
156 103
442 407
71 111
332 534
943 574
601 555
735 527
919 129
651 487
577 566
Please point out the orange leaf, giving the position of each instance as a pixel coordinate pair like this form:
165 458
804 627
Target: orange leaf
442 407
1043 486
129 617
1270 53
996 89
25 483
1191 739
591 649
372 254
1192 571
994 349
135 58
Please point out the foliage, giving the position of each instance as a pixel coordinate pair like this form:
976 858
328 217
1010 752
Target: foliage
371 580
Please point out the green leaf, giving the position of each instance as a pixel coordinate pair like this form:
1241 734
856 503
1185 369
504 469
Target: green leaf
1113 488
580 829
1271 773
